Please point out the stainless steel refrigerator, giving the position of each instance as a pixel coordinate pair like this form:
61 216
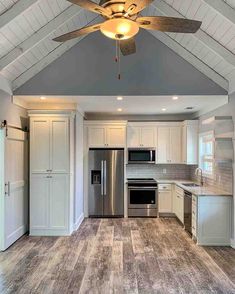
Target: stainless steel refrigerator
106 182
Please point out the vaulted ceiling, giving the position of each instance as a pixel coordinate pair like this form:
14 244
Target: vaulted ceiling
28 26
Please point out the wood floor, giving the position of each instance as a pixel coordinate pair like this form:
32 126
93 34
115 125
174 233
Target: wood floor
117 256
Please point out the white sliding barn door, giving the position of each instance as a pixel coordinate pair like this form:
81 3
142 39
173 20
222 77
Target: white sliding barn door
14 212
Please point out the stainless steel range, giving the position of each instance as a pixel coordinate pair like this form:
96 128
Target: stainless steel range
142 197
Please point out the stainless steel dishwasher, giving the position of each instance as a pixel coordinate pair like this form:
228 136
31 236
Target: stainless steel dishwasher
188 211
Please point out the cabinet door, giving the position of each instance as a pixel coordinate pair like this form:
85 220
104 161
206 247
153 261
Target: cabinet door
96 136
175 145
165 201
39 202
40 145
147 137
116 136
133 136
163 145
184 144
59 143
59 201
181 209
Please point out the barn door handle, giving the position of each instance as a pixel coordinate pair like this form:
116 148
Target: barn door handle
7 189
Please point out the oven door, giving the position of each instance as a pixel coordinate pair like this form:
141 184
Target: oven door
142 197
141 156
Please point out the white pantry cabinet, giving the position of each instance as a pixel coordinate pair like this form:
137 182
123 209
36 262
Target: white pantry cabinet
169 145
141 136
164 198
51 173
190 142
106 135
50 144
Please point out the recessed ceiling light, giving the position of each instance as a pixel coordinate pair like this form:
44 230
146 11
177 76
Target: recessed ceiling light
175 97
163 109
43 98
119 109
119 98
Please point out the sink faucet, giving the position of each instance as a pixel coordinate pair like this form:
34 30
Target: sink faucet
197 171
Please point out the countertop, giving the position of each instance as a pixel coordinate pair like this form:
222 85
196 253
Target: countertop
197 191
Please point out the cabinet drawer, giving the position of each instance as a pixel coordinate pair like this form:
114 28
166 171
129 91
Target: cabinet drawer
164 187
179 190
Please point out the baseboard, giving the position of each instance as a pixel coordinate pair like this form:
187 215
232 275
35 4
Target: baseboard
78 222
233 243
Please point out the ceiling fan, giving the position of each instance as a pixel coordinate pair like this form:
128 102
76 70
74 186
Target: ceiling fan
122 22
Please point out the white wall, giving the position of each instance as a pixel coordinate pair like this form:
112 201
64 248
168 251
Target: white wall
79 198
15 115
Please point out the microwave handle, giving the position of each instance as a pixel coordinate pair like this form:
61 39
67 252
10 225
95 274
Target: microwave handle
151 155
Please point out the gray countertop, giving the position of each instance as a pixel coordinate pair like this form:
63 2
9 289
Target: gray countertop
197 191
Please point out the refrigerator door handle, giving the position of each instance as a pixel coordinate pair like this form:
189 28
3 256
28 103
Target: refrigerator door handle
102 177
105 177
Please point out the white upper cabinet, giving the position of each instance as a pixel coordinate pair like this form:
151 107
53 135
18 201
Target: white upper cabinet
116 136
96 136
163 145
40 144
106 135
169 144
175 145
190 142
49 145
141 136
59 145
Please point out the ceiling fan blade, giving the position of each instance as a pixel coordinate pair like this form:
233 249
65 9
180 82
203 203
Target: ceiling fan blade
135 6
77 33
90 5
169 24
128 46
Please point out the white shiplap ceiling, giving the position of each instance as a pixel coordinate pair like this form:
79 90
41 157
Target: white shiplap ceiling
28 26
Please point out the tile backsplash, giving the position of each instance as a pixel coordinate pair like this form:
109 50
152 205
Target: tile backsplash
223 177
160 171
223 173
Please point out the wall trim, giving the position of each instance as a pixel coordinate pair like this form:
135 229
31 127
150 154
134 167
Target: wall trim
78 222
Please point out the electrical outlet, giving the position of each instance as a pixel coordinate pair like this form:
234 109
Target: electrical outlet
164 170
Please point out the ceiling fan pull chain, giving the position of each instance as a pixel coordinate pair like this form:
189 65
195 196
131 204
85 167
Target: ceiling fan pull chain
116 57
119 61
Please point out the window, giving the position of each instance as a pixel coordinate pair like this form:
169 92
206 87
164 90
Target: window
206 153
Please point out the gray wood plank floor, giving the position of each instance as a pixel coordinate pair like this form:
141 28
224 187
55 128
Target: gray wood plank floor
117 256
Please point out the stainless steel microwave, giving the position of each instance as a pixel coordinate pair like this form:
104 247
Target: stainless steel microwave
141 155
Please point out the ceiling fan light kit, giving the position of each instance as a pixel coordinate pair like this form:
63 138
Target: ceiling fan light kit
119 28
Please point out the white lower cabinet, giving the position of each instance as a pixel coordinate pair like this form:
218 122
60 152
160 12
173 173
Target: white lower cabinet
164 198
39 202
179 203
49 204
211 220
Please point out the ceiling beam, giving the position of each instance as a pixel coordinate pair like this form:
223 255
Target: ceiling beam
223 8
17 9
192 59
39 36
203 37
44 62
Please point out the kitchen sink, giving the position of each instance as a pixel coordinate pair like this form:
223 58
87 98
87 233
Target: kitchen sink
193 185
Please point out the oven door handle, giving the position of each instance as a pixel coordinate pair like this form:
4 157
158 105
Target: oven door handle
142 188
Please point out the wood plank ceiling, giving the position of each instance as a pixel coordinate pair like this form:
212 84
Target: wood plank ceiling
27 28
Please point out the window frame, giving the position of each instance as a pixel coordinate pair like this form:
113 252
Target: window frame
202 157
